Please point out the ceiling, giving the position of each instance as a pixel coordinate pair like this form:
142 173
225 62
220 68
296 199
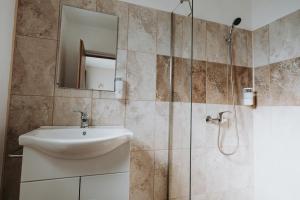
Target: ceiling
254 13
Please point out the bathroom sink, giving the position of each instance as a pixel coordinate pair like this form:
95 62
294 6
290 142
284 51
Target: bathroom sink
75 143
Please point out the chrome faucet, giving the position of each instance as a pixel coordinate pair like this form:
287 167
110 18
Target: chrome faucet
84 119
219 119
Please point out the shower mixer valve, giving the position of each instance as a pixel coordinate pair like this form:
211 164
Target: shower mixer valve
219 119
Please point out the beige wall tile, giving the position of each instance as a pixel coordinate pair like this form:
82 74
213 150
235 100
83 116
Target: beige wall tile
199 82
142 29
285 82
250 48
216 50
163 33
141 176
181 80
161 133
181 116
199 39
261 46
141 76
108 112
66 92
177 38
179 173
38 19
25 114
187 38
285 44
217 88
34 66
199 125
119 8
140 119
242 77
163 78
161 175
240 47
84 4
262 85
198 176
64 108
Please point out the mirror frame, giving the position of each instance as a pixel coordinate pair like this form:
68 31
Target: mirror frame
57 68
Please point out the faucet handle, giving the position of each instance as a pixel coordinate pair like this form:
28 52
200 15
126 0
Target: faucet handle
83 114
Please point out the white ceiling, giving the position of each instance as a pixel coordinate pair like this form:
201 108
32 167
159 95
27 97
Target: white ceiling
254 13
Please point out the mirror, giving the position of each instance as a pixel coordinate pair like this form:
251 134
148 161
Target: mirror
87 49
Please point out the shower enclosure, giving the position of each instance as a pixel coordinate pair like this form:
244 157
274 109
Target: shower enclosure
209 128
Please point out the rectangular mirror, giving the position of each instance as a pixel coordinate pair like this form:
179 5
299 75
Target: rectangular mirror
87 49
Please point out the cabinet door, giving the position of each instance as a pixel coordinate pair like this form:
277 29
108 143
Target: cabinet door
58 189
105 187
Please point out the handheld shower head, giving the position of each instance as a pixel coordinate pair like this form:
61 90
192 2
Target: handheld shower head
237 21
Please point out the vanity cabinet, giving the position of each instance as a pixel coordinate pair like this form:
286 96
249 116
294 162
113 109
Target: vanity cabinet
102 178
60 189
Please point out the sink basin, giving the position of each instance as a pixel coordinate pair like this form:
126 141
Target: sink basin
74 142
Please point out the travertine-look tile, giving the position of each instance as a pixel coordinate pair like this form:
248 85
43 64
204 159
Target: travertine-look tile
140 119
38 18
261 46
177 32
142 29
285 82
216 48
284 38
250 48
141 76
12 178
119 8
163 78
262 85
187 37
84 4
64 108
198 125
25 114
68 92
161 175
141 175
242 79
161 134
199 81
108 112
181 118
163 33
120 73
34 66
240 47
199 39
217 88
198 176
181 80
179 173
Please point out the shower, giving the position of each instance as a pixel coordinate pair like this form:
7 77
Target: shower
220 119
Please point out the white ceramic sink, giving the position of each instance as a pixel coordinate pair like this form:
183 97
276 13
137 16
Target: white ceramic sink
74 142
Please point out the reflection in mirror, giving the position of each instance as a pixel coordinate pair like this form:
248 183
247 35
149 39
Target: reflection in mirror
87 49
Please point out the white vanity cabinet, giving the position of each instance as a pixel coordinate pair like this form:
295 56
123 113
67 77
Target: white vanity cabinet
60 189
102 178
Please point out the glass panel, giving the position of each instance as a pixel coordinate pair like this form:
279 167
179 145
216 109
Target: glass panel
180 106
